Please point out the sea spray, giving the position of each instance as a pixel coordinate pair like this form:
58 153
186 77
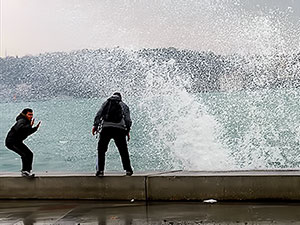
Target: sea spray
175 124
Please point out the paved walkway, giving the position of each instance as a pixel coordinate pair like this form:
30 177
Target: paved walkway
126 212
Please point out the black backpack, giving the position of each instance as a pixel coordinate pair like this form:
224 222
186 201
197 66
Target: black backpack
112 111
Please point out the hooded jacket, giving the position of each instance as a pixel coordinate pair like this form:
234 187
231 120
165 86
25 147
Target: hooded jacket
21 130
125 122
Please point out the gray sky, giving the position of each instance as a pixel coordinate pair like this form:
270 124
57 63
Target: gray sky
223 26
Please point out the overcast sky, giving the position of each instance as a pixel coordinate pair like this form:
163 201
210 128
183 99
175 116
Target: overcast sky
223 26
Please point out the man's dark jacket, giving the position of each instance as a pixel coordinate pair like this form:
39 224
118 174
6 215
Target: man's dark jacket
21 130
125 122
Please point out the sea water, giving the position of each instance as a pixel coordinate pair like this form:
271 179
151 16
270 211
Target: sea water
203 131
230 103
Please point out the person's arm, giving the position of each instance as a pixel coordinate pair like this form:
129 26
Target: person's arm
127 118
98 119
32 123
128 136
128 121
94 130
27 128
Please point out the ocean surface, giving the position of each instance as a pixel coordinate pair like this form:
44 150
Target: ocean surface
241 130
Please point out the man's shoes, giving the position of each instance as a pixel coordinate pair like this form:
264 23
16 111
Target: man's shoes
27 174
99 173
129 172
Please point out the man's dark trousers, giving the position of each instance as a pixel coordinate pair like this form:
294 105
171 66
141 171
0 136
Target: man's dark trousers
26 155
119 136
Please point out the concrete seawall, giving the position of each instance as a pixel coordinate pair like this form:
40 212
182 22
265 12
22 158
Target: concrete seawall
155 186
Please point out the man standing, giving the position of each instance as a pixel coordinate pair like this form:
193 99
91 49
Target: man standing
113 122
17 134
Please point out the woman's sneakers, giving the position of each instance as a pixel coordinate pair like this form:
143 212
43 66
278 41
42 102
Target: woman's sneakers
99 173
27 174
129 172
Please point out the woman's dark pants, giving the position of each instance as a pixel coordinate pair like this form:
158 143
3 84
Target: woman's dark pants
119 136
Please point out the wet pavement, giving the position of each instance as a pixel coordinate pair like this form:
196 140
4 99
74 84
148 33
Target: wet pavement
71 212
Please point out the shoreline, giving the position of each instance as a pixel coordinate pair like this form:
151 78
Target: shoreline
246 185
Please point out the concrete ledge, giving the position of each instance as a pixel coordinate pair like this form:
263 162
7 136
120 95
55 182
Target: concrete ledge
156 186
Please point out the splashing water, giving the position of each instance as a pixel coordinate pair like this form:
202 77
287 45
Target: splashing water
176 123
